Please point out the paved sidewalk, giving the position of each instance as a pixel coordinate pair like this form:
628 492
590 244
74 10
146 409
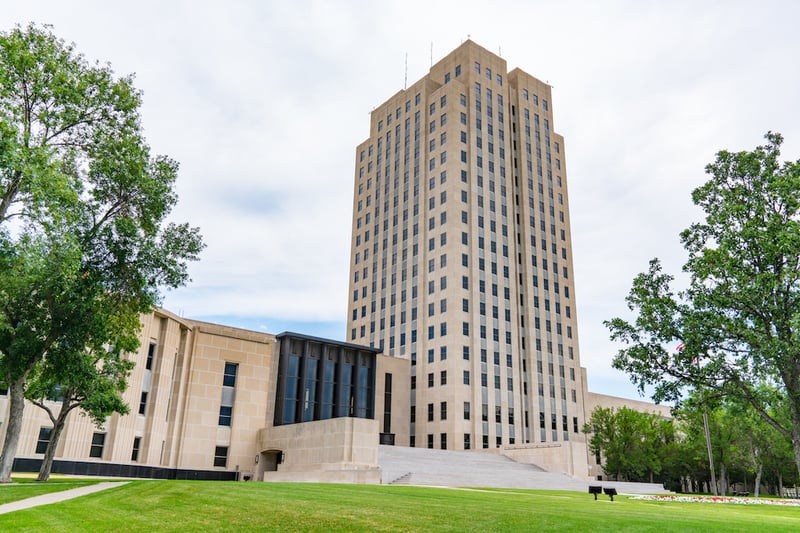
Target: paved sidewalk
55 497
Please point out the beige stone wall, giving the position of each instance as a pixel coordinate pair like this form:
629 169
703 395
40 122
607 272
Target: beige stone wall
324 450
200 432
168 332
180 425
563 457
399 367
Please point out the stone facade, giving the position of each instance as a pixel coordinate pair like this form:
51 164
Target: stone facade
202 399
461 256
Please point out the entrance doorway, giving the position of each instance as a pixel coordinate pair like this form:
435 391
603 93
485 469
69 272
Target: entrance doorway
271 459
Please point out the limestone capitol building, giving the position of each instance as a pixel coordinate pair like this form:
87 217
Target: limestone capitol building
462 319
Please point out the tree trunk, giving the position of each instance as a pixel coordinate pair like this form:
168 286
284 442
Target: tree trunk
55 435
796 441
757 486
16 403
723 485
780 484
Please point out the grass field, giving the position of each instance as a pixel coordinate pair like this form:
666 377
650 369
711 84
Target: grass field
164 506
27 487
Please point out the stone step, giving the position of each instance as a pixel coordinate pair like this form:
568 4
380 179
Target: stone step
422 466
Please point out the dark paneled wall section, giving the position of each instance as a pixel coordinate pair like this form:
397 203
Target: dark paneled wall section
320 379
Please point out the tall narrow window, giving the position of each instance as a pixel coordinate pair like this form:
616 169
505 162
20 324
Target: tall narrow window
228 394
387 403
44 439
229 380
310 389
151 352
221 456
225 413
143 403
137 441
328 384
98 442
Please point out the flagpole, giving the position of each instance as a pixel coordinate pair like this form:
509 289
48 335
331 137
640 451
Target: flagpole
708 446
680 348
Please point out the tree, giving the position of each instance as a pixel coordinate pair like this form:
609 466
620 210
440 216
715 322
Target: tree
90 380
745 446
739 317
633 445
84 243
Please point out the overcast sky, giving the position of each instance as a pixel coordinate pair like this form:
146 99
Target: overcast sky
263 104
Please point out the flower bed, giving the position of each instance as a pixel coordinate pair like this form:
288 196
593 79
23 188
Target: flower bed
719 499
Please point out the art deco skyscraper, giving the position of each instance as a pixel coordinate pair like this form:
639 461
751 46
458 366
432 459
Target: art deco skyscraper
461 259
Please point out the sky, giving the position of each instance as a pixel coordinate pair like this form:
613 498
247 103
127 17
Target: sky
264 102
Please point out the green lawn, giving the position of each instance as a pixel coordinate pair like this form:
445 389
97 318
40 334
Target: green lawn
225 506
27 487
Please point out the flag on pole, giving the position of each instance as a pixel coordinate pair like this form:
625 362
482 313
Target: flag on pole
680 347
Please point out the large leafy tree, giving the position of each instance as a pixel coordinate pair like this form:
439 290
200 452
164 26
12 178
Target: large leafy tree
634 446
739 318
84 243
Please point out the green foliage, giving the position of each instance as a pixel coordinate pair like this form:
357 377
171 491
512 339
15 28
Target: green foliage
745 446
84 243
739 317
634 446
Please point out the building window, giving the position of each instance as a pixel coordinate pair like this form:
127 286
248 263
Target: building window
229 380
225 413
44 439
143 403
137 441
443 441
221 456
466 410
98 442
151 352
467 441
430 412
443 411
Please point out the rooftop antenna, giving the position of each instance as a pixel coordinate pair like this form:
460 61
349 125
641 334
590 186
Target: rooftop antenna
405 78
500 50
431 53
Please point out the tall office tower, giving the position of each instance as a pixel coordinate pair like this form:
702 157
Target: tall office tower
461 258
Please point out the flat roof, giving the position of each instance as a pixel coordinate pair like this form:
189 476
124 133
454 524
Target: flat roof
328 341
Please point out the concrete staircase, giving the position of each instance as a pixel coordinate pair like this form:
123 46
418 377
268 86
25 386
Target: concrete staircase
421 466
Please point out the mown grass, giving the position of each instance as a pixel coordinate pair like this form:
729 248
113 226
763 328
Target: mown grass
224 506
28 487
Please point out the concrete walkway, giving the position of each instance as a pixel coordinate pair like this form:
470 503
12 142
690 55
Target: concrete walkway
55 497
